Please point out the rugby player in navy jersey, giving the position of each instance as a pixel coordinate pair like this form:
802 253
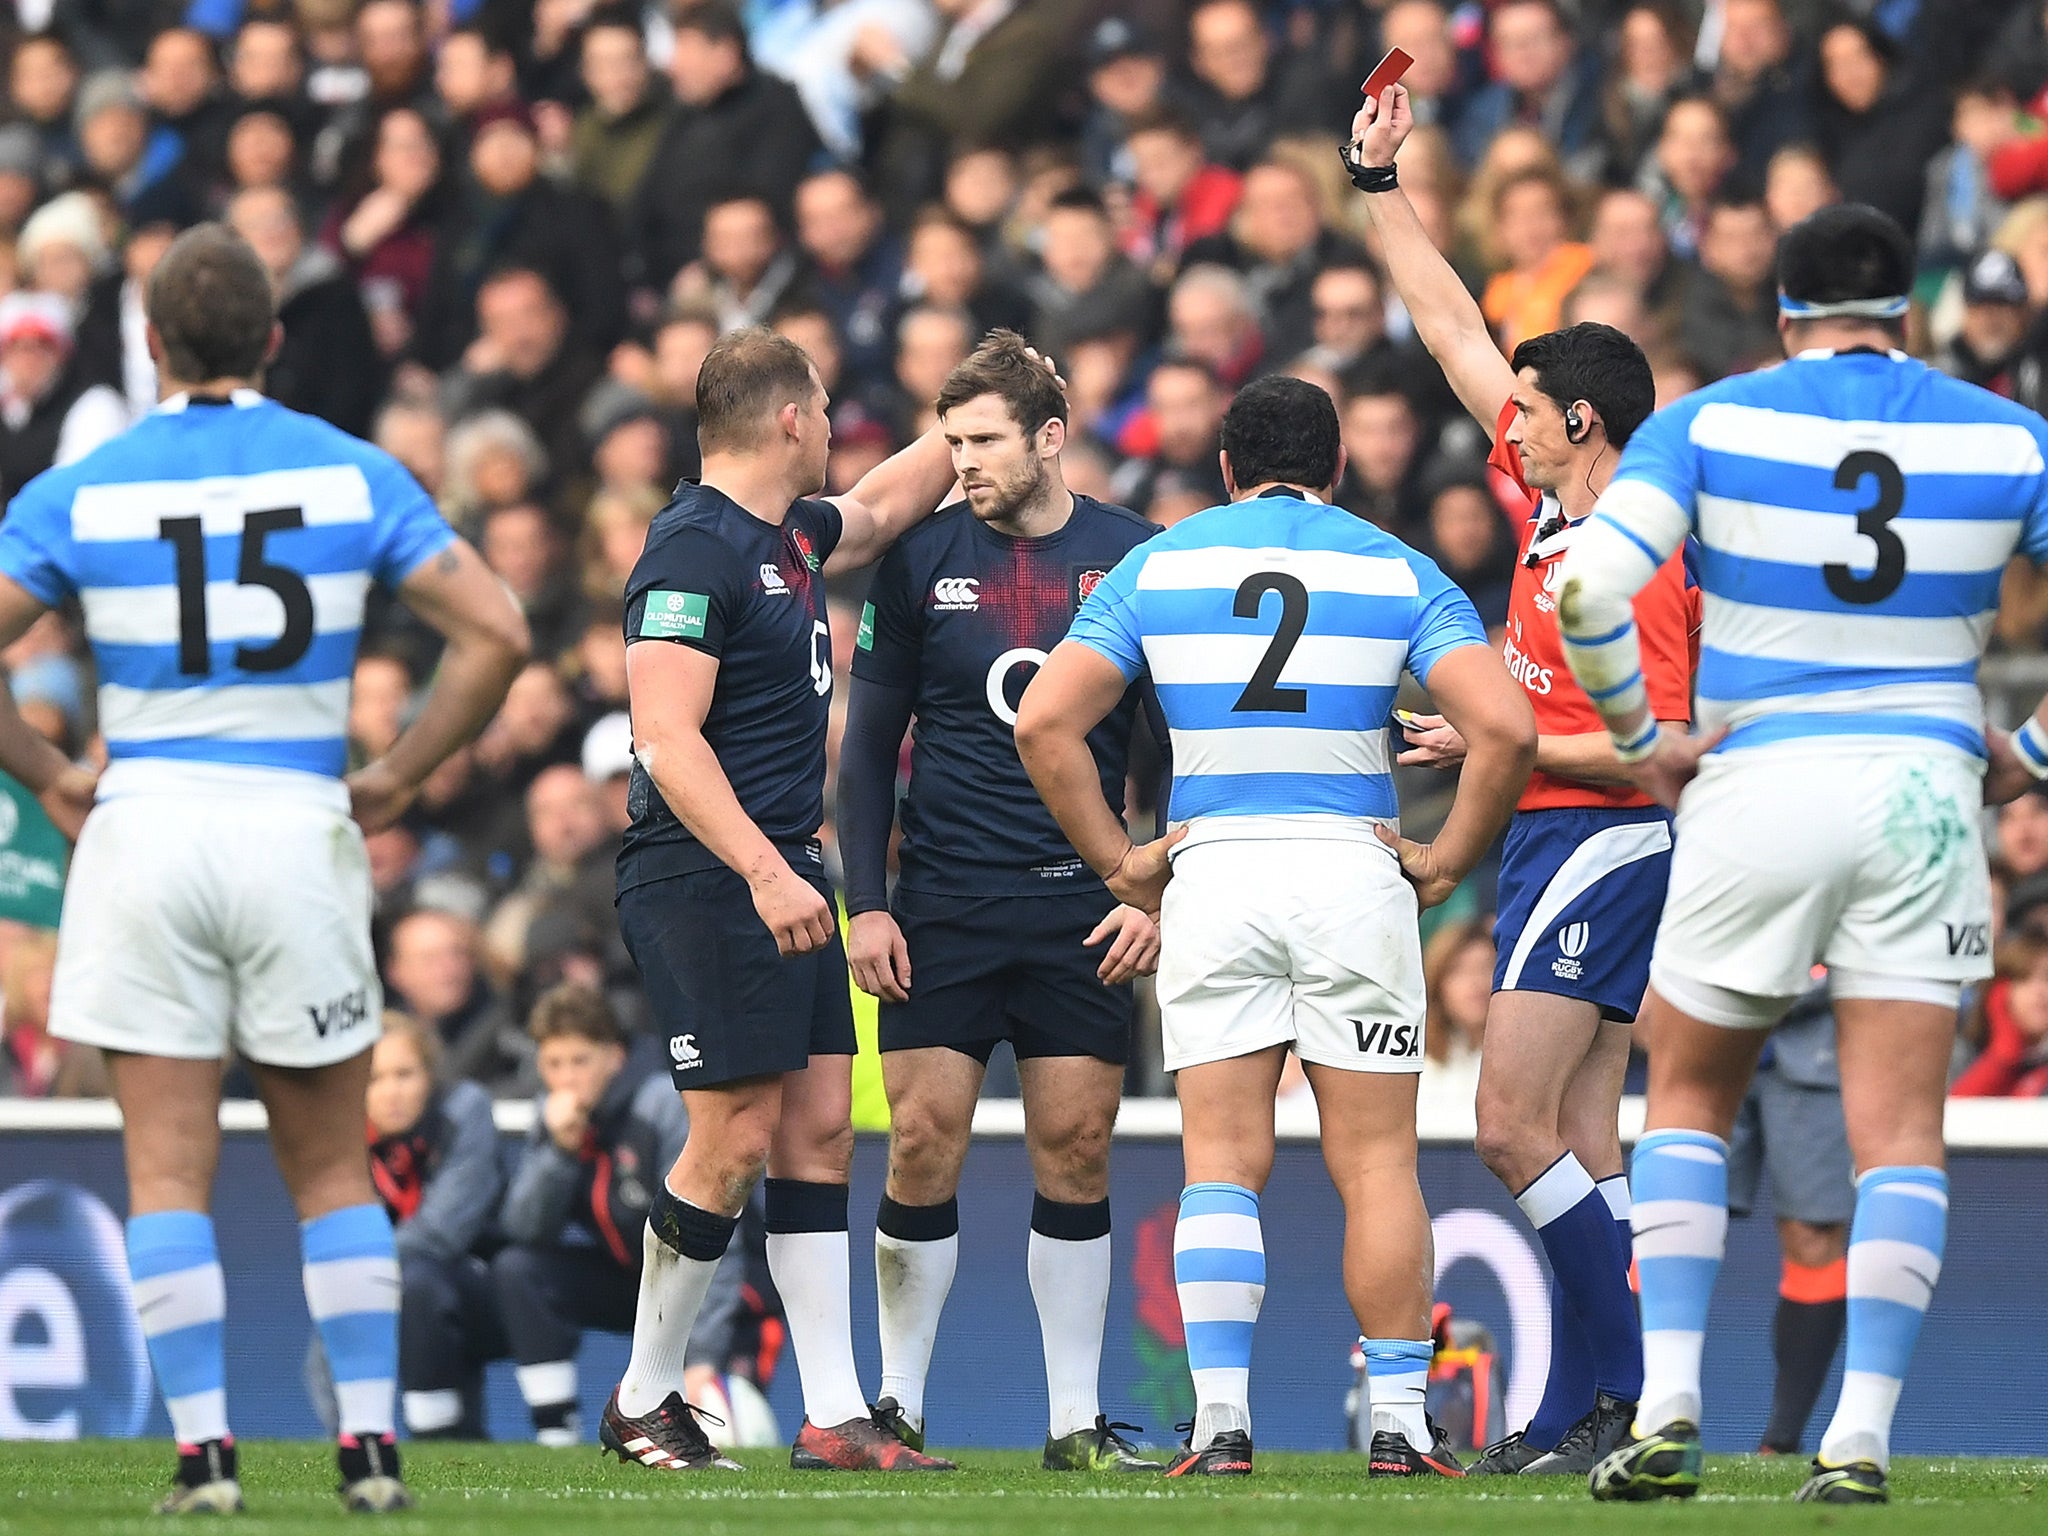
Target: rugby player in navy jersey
998 931
722 892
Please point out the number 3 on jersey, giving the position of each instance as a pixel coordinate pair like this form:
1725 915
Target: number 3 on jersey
1260 695
186 536
1873 523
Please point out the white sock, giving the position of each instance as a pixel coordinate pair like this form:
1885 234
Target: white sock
1397 1378
426 1412
1070 1284
917 1250
807 1257
680 1252
550 1389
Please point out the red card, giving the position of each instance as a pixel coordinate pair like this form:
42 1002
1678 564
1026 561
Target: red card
1387 72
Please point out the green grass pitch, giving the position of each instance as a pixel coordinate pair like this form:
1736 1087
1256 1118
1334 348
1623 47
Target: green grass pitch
499 1490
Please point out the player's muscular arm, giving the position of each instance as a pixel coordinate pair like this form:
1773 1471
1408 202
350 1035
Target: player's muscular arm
65 789
1491 712
877 716
1447 318
1072 693
891 499
669 689
1634 529
459 597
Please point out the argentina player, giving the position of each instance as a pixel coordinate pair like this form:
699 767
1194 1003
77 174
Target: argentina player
219 898
1276 630
1855 512
1587 855
722 894
999 930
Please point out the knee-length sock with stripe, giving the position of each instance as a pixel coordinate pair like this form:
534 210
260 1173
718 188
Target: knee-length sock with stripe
1896 1244
181 1298
351 1276
1680 1183
1219 1269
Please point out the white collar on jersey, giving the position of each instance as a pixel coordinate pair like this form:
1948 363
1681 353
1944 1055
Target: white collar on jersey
242 399
1814 354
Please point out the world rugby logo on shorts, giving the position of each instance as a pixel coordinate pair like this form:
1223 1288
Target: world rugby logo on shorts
1572 940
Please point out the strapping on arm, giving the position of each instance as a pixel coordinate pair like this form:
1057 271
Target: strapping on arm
1614 554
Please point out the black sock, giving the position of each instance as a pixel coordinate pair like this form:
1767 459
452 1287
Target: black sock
1803 1340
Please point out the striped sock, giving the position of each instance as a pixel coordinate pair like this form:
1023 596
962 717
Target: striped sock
1680 1180
1219 1269
1397 1376
351 1274
1895 1248
181 1298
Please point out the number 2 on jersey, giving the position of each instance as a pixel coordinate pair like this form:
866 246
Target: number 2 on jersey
1873 523
1260 695
187 537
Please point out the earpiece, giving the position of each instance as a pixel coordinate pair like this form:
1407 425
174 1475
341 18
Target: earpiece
1575 425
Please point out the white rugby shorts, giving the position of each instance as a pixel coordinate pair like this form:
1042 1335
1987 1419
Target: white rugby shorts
193 925
1865 855
1291 941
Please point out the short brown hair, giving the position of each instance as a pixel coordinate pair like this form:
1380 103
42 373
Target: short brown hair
403 1026
211 303
1003 365
572 1010
745 380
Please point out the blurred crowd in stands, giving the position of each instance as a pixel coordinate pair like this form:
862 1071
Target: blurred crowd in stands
504 233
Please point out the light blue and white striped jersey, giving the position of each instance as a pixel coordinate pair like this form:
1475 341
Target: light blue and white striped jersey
1275 632
222 553
1855 513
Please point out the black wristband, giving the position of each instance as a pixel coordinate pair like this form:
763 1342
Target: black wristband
1367 178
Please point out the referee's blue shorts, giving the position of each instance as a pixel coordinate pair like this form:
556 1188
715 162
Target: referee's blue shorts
1581 890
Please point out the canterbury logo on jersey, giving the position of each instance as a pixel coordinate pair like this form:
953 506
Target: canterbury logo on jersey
771 578
956 594
1388 1039
682 1049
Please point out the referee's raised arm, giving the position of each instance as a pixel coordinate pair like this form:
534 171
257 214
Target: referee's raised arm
1446 316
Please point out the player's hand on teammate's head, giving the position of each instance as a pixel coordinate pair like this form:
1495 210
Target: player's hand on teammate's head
1049 365
1136 950
1140 880
1382 125
791 909
377 797
878 957
1664 774
1433 886
67 798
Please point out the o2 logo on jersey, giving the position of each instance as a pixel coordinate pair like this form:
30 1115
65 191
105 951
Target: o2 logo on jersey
999 679
821 657
72 1360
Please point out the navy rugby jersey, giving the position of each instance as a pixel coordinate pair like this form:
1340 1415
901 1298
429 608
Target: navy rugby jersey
718 579
962 616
